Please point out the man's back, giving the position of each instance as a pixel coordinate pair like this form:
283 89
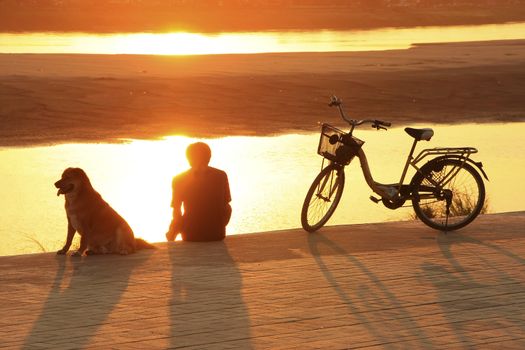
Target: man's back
205 195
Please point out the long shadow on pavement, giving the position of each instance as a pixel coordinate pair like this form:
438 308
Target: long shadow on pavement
83 295
362 303
464 295
206 308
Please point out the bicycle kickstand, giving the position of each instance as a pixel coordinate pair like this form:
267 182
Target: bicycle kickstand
448 199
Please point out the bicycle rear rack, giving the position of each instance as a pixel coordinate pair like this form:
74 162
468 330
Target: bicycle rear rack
445 151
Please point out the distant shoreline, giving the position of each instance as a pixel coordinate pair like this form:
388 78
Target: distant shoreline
51 99
207 18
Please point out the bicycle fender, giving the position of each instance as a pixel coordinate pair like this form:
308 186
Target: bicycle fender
480 167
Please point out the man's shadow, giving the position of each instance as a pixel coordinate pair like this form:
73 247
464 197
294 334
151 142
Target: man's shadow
83 295
207 307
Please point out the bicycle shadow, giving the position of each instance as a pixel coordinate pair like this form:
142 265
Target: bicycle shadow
206 306
458 289
83 294
369 296
445 241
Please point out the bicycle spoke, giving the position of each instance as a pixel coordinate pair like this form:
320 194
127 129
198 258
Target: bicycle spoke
322 198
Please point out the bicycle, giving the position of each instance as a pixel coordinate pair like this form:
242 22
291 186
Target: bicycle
447 192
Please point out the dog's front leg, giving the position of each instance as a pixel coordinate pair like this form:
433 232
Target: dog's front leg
83 246
69 239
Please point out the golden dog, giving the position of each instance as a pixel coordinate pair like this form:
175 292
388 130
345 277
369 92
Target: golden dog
102 230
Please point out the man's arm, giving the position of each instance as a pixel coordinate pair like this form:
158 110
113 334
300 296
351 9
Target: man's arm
176 221
177 215
227 199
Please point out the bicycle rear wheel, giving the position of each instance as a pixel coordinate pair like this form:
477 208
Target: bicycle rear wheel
458 183
323 197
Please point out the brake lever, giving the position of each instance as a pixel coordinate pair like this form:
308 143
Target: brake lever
378 127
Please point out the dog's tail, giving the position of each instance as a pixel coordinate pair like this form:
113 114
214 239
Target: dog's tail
142 244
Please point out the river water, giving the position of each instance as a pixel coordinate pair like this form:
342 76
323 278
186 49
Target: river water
269 177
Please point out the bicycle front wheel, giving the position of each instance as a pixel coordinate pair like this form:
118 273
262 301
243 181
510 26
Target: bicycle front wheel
448 183
323 197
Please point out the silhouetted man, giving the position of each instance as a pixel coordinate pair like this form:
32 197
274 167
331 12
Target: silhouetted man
205 194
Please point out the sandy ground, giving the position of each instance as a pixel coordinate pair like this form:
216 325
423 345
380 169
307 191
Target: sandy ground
47 99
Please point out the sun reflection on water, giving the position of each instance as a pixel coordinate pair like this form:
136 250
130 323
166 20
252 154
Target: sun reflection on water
182 43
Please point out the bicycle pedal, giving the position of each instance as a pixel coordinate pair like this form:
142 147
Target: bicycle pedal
374 199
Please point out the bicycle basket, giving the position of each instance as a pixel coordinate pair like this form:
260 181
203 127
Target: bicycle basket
338 146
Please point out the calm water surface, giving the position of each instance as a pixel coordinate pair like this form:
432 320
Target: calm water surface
256 42
269 177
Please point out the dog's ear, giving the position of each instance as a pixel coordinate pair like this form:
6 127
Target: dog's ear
70 171
81 173
65 172
85 179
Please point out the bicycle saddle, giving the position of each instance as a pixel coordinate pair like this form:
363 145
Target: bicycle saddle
420 134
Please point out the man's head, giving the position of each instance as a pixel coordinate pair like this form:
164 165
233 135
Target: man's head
198 154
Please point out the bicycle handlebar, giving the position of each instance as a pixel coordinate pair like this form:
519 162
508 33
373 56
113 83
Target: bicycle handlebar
334 101
378 124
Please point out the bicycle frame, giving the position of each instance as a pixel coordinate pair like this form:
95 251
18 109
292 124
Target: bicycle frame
462 153
393 190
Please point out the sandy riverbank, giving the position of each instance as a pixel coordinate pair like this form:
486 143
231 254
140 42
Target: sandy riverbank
90 98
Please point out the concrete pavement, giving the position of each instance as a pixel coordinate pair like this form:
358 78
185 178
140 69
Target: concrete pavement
391 286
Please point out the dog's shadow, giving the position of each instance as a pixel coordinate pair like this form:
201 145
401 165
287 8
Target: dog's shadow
84 293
